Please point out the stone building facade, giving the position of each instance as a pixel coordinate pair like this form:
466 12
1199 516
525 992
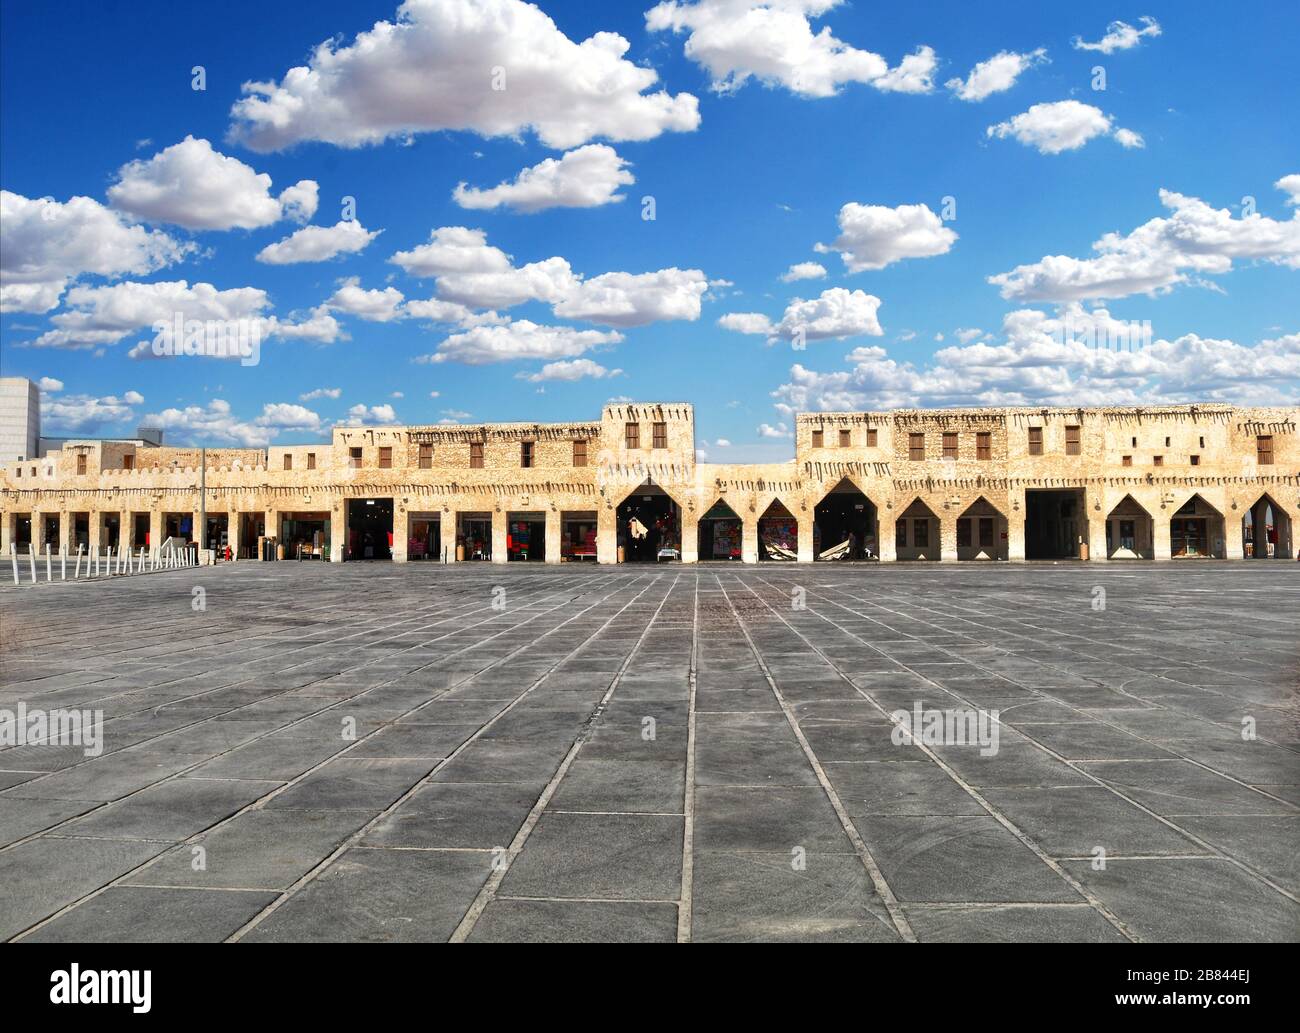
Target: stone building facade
949 485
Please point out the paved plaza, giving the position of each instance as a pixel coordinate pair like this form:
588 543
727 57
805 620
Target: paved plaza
376 752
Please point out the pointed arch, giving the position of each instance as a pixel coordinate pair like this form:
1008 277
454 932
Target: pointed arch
1266 530
982 532
917 534
846 524
1196 530
1130 531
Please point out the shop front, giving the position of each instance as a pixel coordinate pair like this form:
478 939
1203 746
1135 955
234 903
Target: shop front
649 525
370 529
473 536
1196 531
577 536
305 535
526 537
424 539
720 533
778 534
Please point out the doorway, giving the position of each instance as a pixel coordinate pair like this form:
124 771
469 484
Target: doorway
1266 531
424 539
649 526
844 525
140 524
1129 532
720 532
1196 531
1055 524
474 536
778 534
526 537
370 529
577 536
306 535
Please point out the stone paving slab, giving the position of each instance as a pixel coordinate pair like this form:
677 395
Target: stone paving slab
655 753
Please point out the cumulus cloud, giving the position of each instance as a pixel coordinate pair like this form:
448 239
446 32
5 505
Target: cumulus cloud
1037 363
1194 240
571 369
375 306
773 41
1291 185
288 416
1063 125
434 67
836 313
45 244
192 185
584 178
1120 36
370 415
104 315
318 243
874 236
632 299
521 339
75 414
216 423
321 392
995 75
320 327
779 430
804 271
49 384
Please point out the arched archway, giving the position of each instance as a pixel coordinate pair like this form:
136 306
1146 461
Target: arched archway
649 525
916 533
1130 532
720 532
1266 531
1196 531
778 533
982 532
845 525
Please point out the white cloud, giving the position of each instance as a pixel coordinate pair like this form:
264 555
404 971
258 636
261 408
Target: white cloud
874 236
216 423
837 313
84 414
1194 240
1120 36
804 271
1063 125
44 244
571 369
584 178
453 249
288 416
321 392
773 41
780 430
549 280
432 68
320 327
190 184
49 384
369 415
104 315
630 299
1037 364
318 243
374 306
1291 185
519 340
722 443
995 75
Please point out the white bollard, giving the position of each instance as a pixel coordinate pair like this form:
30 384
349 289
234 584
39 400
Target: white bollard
48 576
13 558
96 574
140 565
77 571
31 555
108 562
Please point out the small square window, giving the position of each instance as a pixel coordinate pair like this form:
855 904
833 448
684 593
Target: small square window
1035 441
846 438
1157 460
354 458
818 438
984 445
1127 461
580 452
949 445
1196 460
311 460
871 437
1072 440
659 435
476 455
386 457
1264 449
128 461
632 435
426 456
288 461
916 447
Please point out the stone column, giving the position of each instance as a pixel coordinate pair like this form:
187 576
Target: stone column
607 535
338 530
6 531
95 523
690 536
886 532
553 534
401 531
1160 533
156 528
447 520
1097 511
232 533
946 533
1016 527
37 543
749 538
500 532
806 537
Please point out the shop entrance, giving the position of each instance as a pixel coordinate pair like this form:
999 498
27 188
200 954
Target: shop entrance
251 527
1129 532
1054 524
110 530
916 533
473 536
1266 532
370 529
649 526
217 533
80 531
1196 530
424 540
23 531
720 532
526 537
578 536
982 532
778 534
305 535
844 525
176 525
139 530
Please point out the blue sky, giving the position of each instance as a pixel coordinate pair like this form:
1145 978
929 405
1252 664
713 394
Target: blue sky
761 123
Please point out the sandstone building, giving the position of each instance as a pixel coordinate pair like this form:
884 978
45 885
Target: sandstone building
1158 483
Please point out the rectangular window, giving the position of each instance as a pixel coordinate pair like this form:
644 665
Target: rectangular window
386 457
986 532
963 533
871 437
81 465
984 445
900 534
1072 441
1264 449
819 438
476 455
288 461
1127 461
921 532
916 447
579 453
426 457
311 460
1135 442
1035 441
1196 460
949 445
354 458
846 438
632 435
525 454
128 461
1157 460
1202 442
659 436
1166 442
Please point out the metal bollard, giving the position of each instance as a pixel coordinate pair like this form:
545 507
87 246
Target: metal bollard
31 555
13 558
48 576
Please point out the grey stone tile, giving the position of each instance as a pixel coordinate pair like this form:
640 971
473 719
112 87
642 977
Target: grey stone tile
554 921
22 818
1012 923
106 778
775 820
1176 787
129 914
272 758
171 811
446 815
918 788
1268 843
503 760
609 856
347 782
